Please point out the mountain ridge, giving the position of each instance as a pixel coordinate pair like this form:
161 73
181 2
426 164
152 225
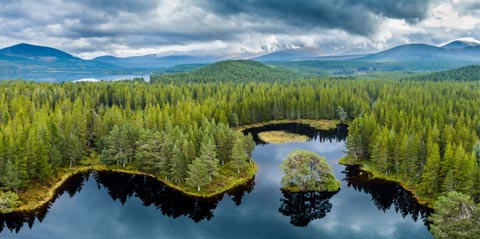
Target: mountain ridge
27 58
29 51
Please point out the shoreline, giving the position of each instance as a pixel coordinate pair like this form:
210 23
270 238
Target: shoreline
50 194
46 196
281 137
374 175
319 124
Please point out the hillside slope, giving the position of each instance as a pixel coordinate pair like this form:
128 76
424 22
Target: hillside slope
231 71
467 73
154 61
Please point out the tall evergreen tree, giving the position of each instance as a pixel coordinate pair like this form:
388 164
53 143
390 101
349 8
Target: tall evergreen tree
431 178
239 156
198 174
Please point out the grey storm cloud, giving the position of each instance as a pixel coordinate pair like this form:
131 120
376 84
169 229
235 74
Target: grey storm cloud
109 26
470 7
115 6
358 17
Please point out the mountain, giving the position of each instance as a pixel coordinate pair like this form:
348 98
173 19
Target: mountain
340 57
26 59
423 52
461 44
464 49
231 71
289 55
154 61
33 52
467 73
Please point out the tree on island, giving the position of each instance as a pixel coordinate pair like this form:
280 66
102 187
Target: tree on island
307 171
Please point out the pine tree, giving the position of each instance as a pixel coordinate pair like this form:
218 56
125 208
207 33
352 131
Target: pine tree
431 181
73 151
10 178
179 165
250 146
208 155
459 175
380 151
197 174
233 120
239 156
164 165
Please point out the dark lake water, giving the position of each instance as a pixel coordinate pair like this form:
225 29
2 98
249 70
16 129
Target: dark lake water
116 205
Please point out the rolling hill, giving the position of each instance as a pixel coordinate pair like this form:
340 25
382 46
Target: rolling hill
26 58
230 71
154 61
461 44
32 52
289 55
467 73
31 59
423 52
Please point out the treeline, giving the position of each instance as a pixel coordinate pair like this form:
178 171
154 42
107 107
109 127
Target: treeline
363 68
176 132
423 134
467 73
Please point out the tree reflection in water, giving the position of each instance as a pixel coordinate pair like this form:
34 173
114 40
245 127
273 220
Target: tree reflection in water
172 203
386 194
334 135
15 221
304 207
121 187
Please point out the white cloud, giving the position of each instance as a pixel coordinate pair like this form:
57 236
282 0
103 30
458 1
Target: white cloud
125 28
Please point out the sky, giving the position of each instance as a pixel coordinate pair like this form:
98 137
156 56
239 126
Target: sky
234 28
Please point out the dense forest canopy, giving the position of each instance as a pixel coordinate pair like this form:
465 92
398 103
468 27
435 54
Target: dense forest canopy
398 125
231 71
467 73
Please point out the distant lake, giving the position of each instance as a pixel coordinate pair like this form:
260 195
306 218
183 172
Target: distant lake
117 205
72 76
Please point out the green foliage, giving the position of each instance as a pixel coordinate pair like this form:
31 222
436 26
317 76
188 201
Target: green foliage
456 216
230 71
240 152
423 134
8 201
307 171
11 178
198 174
375 69
466 73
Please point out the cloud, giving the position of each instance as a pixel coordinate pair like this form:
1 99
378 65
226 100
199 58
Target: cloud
231 28
357 17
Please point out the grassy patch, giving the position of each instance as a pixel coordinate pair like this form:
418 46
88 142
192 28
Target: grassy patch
280 137
320 124
330 185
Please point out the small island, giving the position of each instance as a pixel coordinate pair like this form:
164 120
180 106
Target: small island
307 171
280 137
